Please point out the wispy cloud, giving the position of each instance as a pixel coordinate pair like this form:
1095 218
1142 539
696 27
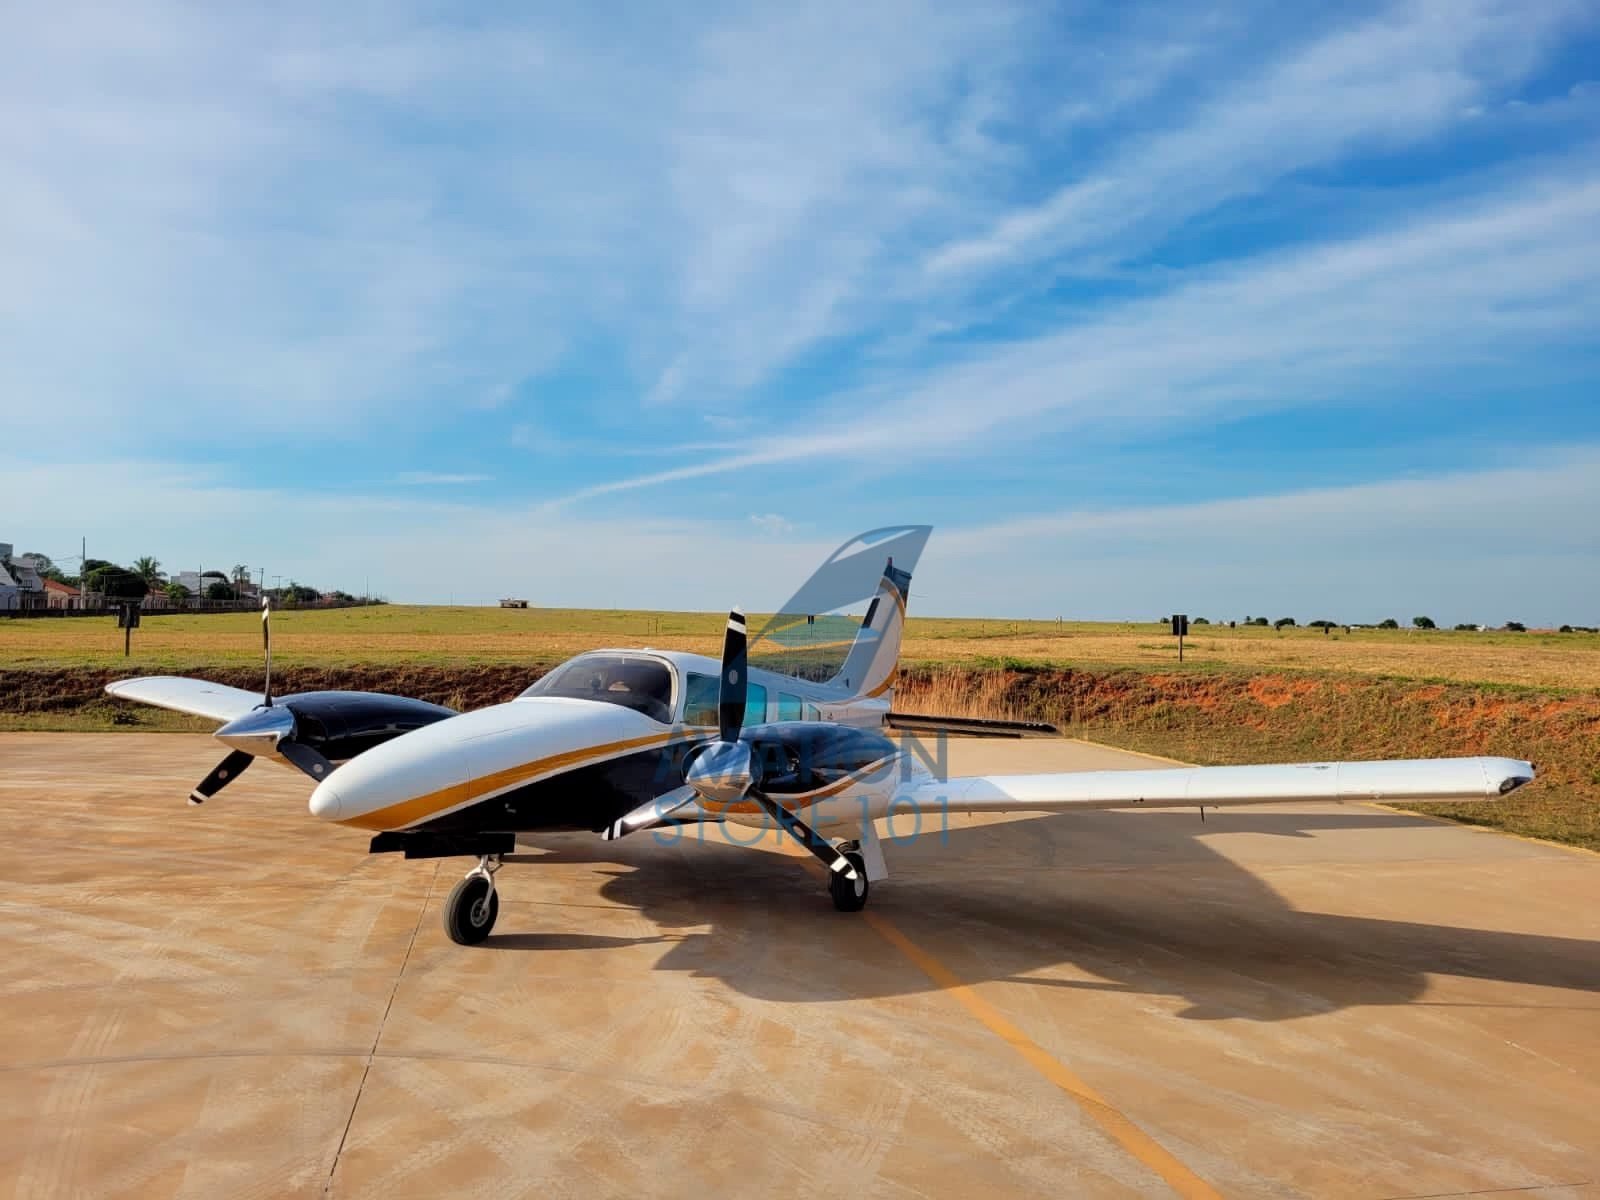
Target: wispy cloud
1511 542
772 524
1394 81
1463 546
782 259
438 478
1474 284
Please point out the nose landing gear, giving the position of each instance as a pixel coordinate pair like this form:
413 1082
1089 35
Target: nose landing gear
472 906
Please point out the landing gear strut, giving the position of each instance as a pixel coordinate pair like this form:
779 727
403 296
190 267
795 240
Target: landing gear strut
849 895
473 904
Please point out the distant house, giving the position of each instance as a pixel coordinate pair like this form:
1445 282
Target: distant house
20 584
61 595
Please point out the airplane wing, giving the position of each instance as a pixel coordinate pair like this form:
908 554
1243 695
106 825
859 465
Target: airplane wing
1414 780
194 696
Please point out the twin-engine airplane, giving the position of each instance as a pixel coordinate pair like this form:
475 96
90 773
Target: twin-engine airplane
621 741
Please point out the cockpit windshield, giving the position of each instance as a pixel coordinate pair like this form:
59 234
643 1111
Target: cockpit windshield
633 681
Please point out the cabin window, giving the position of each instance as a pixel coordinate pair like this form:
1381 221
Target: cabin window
642 684
788 707
700 699
755 705
813 713
701 693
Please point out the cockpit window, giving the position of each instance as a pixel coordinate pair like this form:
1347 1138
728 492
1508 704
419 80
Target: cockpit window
642 684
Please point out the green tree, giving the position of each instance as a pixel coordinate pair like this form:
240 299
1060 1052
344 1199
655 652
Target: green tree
220 590
116 582
1516 627
1466 628
148 569
176 592
1283 622
1388 623
1423 622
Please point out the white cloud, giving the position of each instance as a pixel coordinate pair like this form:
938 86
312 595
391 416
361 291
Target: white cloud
1467 286
1394 81
438 478
1472 546
1514 542
772 524
226 233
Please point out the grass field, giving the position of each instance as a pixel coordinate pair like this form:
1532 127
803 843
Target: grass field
1243 695
392 634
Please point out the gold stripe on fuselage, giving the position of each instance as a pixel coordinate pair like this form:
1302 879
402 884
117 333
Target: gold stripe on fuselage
419 808
408 812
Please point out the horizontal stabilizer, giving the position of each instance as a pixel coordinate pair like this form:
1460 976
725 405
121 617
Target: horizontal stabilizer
197 697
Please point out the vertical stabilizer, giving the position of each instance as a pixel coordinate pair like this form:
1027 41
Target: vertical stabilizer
869 668
816 637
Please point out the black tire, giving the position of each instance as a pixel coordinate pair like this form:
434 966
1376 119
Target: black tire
467 919
849 895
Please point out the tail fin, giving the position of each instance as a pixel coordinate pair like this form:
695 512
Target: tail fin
869 668
814 637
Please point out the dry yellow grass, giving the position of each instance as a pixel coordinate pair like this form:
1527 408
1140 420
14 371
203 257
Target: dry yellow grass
396 634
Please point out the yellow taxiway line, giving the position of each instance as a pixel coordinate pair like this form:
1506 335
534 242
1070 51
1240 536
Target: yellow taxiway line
1101 1111
1180 1178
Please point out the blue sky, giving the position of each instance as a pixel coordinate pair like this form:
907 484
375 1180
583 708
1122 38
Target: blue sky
1231 308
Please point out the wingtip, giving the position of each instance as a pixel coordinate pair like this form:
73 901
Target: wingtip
1511 774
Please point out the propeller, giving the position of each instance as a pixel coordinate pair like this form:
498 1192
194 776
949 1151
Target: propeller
659 811
266 640
265 729
724 770
221 775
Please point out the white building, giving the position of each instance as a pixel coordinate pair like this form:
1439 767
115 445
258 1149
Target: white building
20 583
10 593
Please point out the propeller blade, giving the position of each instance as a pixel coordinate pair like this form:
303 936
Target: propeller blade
647 816
735 663
266 642
804 834
221 775
308 760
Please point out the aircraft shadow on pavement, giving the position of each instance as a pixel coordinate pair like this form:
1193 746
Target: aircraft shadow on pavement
1131 903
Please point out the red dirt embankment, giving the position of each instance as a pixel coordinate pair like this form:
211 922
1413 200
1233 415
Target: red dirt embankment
1209 718
1224 718
76 689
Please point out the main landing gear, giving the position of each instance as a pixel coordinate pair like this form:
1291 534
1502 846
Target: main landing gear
849 895
473 904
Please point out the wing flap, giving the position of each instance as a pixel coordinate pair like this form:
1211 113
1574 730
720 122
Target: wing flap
197 697
1409 780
